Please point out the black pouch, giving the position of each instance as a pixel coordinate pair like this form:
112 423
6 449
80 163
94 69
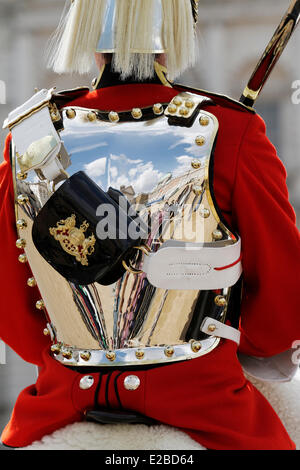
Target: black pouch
85 234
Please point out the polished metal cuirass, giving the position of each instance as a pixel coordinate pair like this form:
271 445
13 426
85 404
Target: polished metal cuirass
164 172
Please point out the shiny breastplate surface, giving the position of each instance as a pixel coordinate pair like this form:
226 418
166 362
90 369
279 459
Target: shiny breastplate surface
163 170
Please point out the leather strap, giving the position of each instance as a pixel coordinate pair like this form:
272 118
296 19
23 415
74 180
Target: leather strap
213 327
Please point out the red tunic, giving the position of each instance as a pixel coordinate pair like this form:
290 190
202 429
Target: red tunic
209 397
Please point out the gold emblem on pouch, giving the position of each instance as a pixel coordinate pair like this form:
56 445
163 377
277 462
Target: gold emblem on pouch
72 239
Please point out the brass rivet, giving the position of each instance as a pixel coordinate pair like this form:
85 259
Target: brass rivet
177 101
23 199
211 328
92 116
196 346
139 354
22 176
200 141
31 282
23 258
205 213
158 109
56 348
21 224
40 305
217 235
172 109
67 354
169 351
21 243
189 104
86 355
113 117
46 332
111 356
136 113
71 113
220 301
196 164
204 121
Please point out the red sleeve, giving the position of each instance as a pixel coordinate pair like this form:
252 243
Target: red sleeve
21 325
271 247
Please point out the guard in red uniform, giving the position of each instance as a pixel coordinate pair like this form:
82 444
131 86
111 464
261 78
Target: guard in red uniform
149 224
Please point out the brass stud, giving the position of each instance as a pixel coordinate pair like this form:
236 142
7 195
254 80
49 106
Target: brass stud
40 305
111 356
196 346
196 164
71 113
67 354
169 351
172 109
204 121
205 213
56 349
31 282
22 258
23 199
189 104
139 354
46 332
217 235
136 113
158 109
220 301
21 243
114 117
22 176
177 101
21 224
86 356
211 328
200 141
92 116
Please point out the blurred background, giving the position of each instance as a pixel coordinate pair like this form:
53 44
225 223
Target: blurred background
232 35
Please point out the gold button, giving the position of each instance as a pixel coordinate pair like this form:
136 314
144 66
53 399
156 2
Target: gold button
21 224
40 305
169 351
177 101
204 121
220 301
114 117
205 213
183 111
46 332
21 243
22 176
71 113
158 109
23 199
139 354
189 104
86 355
200 141
111 356
136 113
31 282
67 354
196 164
23 258
92 116
196 346
217 235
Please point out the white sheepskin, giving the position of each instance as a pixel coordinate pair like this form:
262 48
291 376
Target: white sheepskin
284 397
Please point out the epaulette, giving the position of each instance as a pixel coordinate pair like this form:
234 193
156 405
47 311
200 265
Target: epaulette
61 98
221 100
